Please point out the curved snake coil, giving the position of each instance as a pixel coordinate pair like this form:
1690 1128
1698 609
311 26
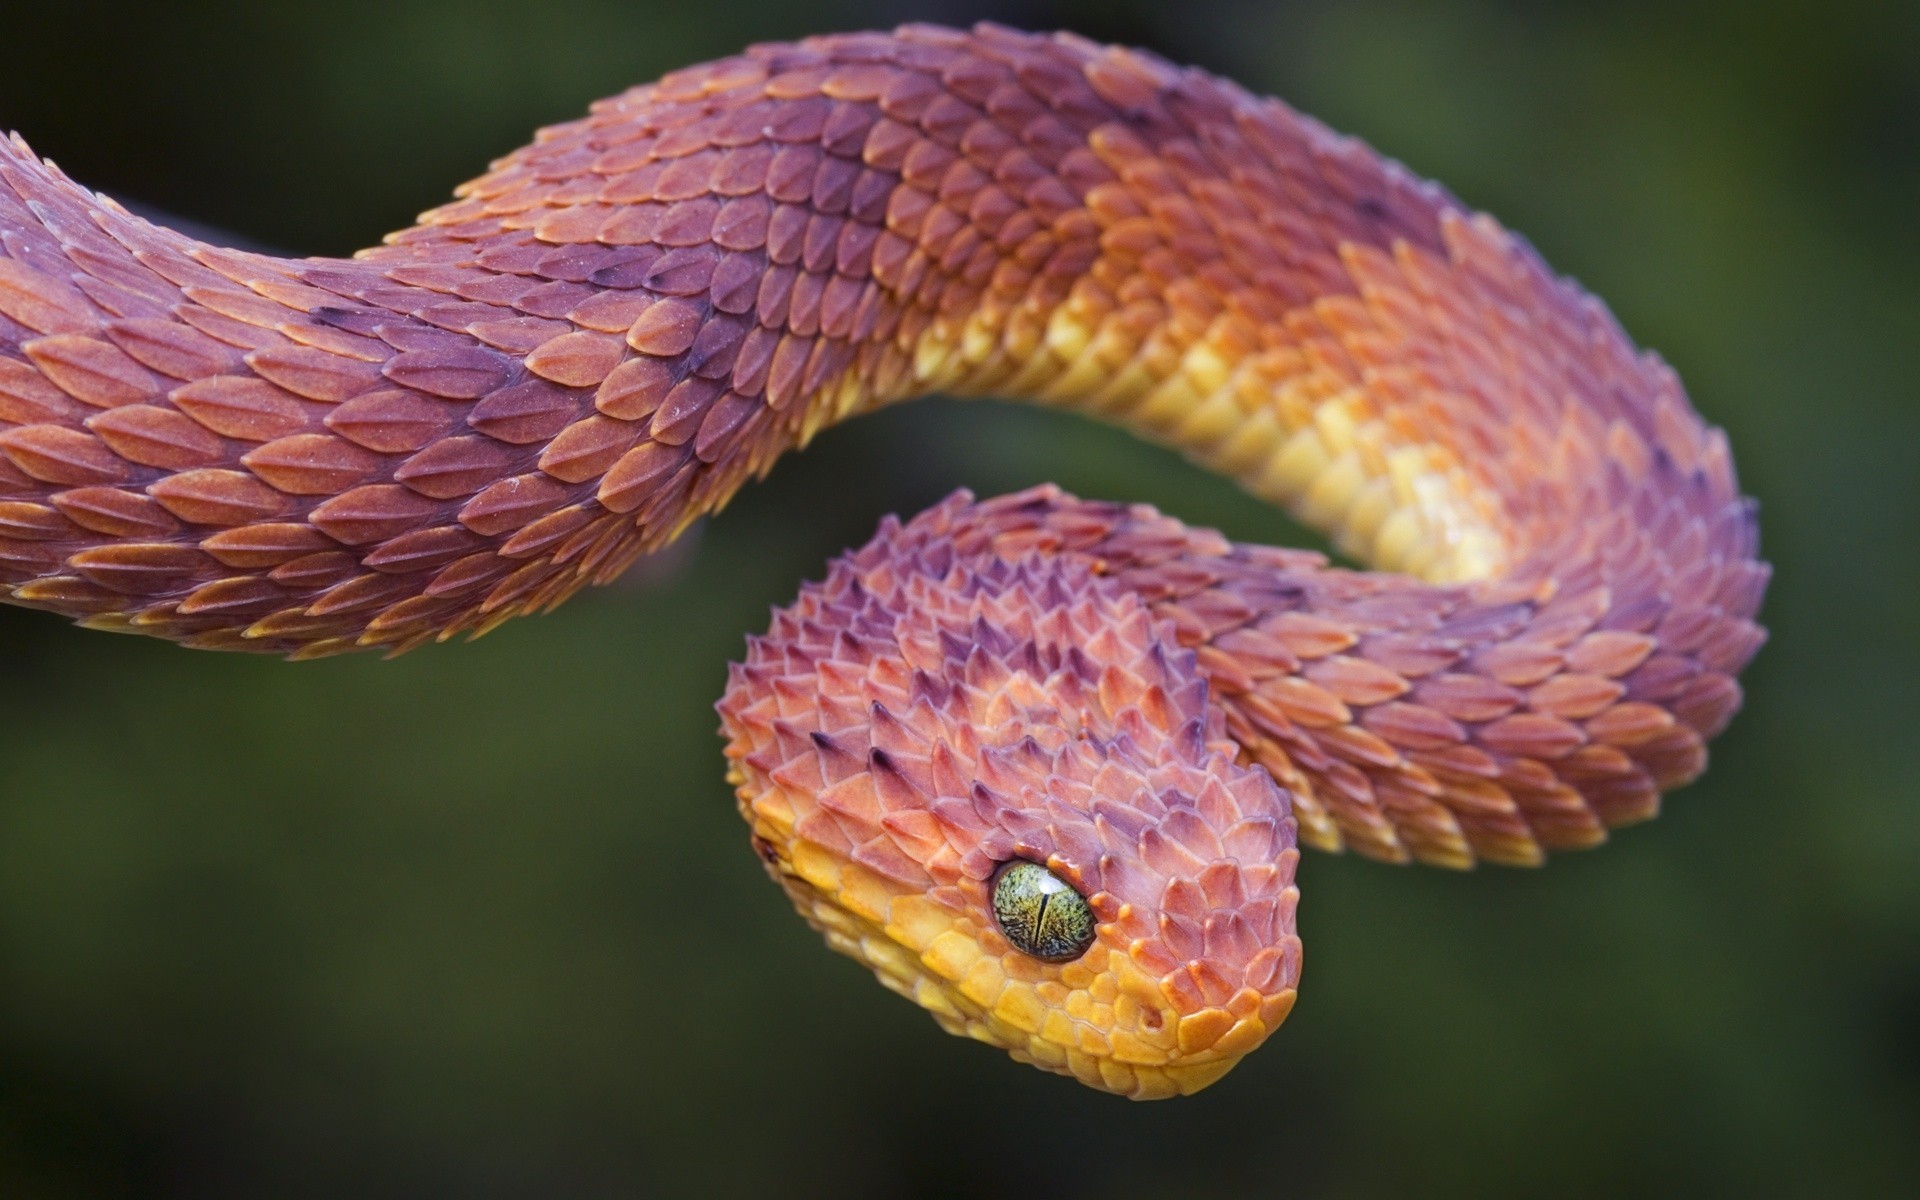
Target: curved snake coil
609 332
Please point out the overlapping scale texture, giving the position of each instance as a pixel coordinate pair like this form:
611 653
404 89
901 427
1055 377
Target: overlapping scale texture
603 337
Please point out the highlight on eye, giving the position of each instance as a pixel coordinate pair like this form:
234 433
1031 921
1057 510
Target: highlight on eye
1040 913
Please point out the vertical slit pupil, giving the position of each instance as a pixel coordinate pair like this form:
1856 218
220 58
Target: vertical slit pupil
1041 914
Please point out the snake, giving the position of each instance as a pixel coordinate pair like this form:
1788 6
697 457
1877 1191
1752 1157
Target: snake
1043 764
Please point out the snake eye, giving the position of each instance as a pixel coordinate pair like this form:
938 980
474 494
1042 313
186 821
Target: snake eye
1040 913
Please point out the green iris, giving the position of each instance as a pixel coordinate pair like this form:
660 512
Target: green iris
1040 912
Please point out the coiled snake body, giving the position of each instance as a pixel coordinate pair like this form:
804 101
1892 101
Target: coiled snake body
619 324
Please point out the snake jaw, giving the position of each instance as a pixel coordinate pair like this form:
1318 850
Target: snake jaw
922 717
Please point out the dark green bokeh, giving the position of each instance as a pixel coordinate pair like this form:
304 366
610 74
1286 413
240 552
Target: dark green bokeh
482 921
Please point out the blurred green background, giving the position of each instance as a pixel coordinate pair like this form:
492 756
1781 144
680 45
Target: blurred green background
482 921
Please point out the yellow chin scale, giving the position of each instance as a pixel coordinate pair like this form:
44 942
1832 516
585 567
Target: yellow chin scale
1101 1018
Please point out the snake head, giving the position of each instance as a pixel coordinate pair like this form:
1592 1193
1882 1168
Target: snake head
935 711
